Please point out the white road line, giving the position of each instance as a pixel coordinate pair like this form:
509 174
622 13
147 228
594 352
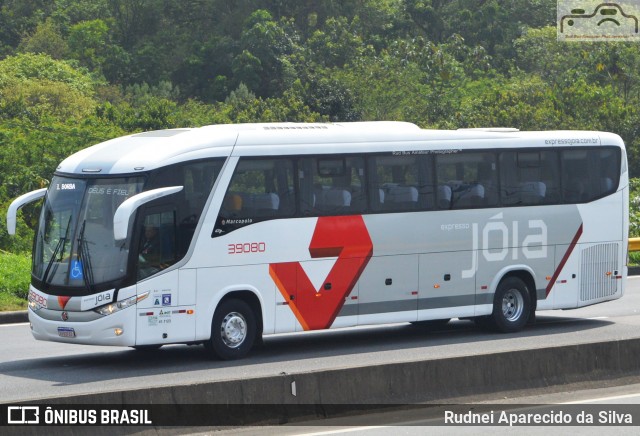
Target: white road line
14 324
344 430
595 400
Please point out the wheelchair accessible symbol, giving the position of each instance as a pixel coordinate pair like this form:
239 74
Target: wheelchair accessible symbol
76 270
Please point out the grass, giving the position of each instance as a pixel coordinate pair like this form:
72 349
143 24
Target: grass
15 274
634 258
9 302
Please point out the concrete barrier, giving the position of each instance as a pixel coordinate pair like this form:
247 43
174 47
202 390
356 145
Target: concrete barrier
14 317
316 394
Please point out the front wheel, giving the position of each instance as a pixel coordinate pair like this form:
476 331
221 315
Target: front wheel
511 305
233 330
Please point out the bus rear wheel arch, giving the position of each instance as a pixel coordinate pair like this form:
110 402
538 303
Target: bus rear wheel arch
234 328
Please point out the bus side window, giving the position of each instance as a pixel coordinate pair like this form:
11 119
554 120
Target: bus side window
513 192
197 178
529 177
397 185
467 180
588 174
260 189
575 176
332 185
608 162
157 247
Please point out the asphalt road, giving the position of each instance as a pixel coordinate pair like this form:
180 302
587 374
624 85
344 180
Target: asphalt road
621 399
30 369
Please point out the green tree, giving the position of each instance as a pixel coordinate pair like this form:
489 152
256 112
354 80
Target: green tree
332 98
264 44
524 102
36 86
336 44
46 39
28 66
19 18
90 43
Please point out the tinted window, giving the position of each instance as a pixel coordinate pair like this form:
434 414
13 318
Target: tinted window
282 187
529 178
588 174
167 225
332 185
260 189
158 245
401 183
466 180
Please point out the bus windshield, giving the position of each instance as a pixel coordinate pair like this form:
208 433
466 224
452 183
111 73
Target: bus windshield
74 245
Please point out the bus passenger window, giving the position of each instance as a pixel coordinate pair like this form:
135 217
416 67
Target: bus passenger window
177 230
588 173
401 183
260 189
332 185
467 180
529 177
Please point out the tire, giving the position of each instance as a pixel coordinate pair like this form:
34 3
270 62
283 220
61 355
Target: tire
511 305
233 330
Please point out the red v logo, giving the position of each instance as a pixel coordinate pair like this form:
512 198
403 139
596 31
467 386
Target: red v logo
62 301
347 238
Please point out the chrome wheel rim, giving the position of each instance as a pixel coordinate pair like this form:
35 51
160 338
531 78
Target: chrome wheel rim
512 305
233 330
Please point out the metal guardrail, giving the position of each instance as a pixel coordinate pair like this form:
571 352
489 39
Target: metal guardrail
634 244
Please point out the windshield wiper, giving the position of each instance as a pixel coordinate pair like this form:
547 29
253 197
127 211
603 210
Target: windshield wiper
61 243
84 258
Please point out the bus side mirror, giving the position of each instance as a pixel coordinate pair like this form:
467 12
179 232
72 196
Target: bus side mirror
130 205
16 204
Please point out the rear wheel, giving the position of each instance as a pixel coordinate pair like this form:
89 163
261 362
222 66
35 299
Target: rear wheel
511 305
233 330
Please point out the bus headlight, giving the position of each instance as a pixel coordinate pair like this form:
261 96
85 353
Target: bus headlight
119 305
34 306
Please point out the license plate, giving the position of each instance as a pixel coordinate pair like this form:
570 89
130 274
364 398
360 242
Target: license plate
66 332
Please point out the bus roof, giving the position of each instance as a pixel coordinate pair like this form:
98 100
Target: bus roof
149 150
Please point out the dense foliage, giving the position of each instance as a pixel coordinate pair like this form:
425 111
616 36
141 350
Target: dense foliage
14 280
76 73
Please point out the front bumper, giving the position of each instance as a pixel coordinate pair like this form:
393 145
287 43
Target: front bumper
101 331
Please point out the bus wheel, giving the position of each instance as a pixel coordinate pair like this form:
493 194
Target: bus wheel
511 305
233 330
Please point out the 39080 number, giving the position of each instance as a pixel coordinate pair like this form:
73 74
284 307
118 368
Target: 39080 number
247 247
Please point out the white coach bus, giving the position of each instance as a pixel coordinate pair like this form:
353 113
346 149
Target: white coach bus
222 234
